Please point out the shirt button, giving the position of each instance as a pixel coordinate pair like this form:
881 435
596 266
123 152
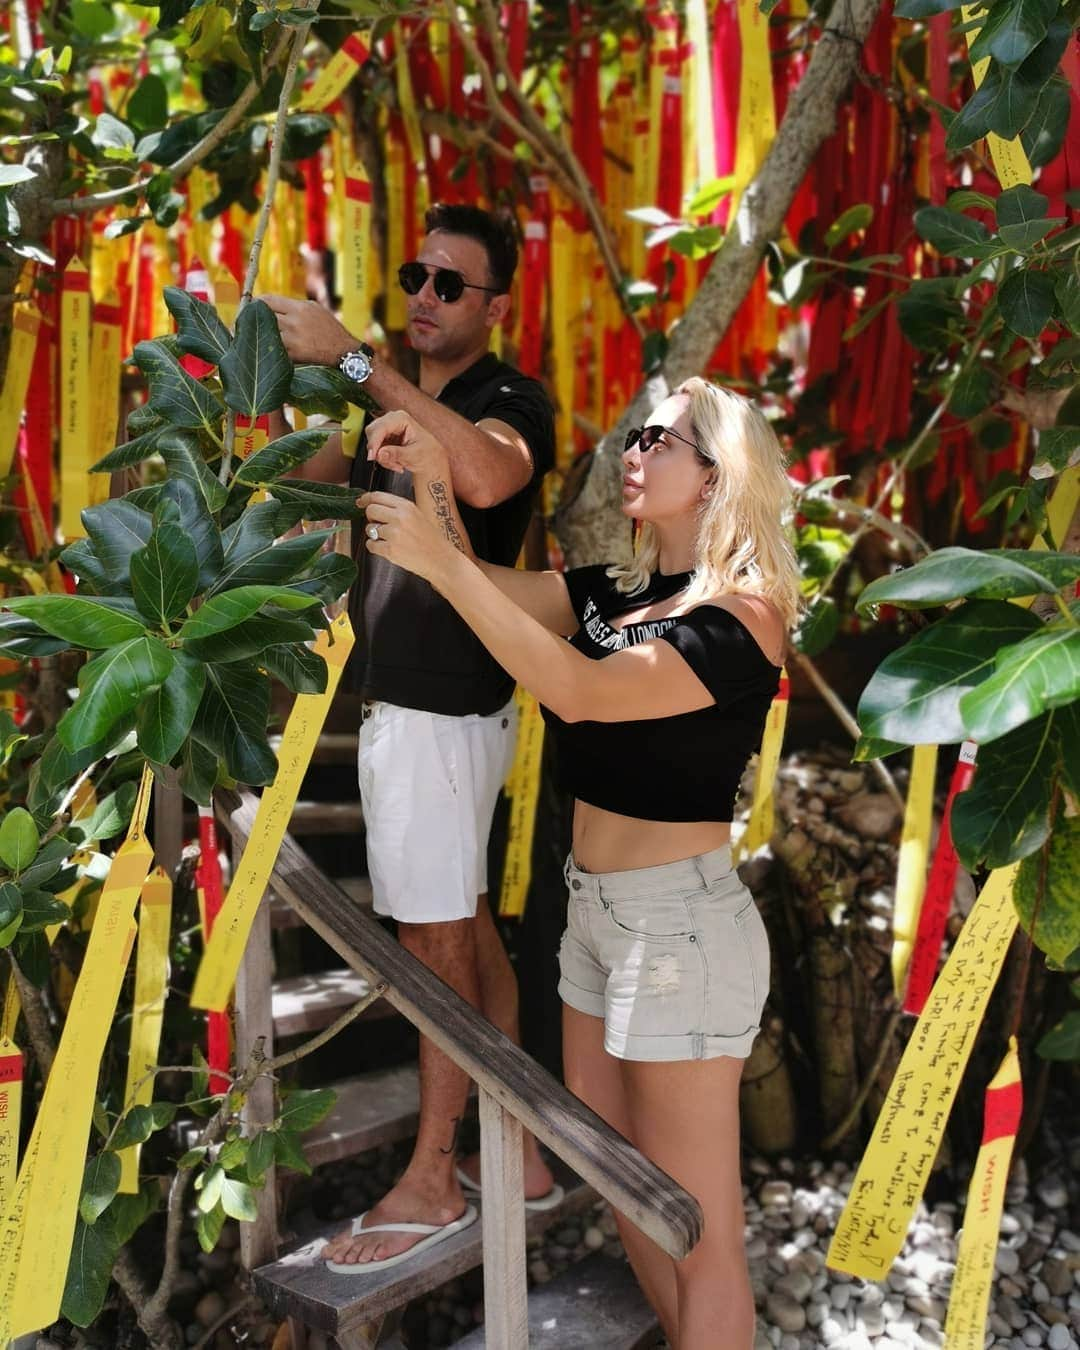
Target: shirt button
505 722
576 885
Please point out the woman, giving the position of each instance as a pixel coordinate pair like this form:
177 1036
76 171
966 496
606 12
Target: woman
656 703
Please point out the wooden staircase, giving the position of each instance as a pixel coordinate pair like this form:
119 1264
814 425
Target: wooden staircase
596 1303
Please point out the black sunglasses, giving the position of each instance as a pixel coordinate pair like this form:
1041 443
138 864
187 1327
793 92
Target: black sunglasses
647 437
449 285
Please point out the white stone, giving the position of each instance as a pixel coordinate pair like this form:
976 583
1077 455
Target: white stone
1069 1240
1007 1261
871 1321
1052 1192
790 1343
1060 1339
840 1295
796 1283
775 1192
1032 1336
832 1331
785 1312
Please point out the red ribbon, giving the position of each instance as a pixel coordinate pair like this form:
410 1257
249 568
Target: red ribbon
208 879
1002 1111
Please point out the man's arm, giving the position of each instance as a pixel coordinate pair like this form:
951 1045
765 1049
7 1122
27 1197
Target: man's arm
329 464
489 461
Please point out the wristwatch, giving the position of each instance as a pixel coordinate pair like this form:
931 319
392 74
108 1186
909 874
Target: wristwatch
358 365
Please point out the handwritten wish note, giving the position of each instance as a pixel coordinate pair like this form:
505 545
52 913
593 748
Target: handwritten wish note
896 1166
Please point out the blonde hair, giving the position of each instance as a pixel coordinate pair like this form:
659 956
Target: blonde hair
742 544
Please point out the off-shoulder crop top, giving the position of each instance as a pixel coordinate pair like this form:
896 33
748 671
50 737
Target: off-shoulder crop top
681 768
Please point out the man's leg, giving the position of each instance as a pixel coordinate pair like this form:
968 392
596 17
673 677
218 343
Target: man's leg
428 1191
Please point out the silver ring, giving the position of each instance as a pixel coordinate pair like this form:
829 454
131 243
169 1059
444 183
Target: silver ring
372 532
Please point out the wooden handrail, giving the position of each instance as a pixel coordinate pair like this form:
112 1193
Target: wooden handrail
655 1203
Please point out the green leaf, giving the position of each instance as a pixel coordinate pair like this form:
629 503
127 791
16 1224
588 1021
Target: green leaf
304 1108
148 107
199 525
164 575
208 1227
93 1252
928 312
301 500
111 134
1026 300
952 234
233 1153
20 637
1045 130
818 626
987 574
251 638
130 453
260 1155
1021 216
1032 676
708 198
183 459
163 719
329 579
110 688
255 557
288 1153
174 395
922 9
853 219
298 668
82 620
32 953
972 392
238 1200
1062 1041
40 910
110 816
232 721
10 911
322 389
101 1181
19 839
210 1189
116 529
1012 29
229 608
914 695
135 1128
198 772
1057 927
256 370
282 456
47 862
1058 447
1004 815
127 1213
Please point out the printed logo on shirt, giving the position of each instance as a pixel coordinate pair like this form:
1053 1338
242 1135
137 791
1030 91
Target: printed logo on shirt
601 632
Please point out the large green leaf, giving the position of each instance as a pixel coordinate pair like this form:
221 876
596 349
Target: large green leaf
101 1181
10 911
58 765
198 524
306 1107
321 389
238 1200
80 558
1062 1041
978 574
93 1252
1057 926
111 686
252 637
47 862
232 721
40 910
19 839
136 1127
914 695
116 529
83 621
301 500
1045 131
282 456
163 719
130 453
1068 725
198 771
1003 816
952 233
1012 29
330 578
1026 301
1021 216
818 626
183 458
1032 676
110 816
20 637
298 668
174 395
164 574
229 608
253 555
198 328
288 1153
256 370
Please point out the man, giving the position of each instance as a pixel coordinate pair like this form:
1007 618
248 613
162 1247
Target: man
437 734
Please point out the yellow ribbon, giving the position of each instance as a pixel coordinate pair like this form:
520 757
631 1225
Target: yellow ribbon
24 335
914 853
760 826
76 412
354 253
105 371
1010 161
523 788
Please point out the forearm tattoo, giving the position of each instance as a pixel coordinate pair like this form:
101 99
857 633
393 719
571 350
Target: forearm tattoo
445 515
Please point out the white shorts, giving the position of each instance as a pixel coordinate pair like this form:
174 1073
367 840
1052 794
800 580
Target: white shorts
428 786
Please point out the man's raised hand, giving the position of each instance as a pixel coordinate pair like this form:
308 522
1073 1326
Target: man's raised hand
398 442
311 334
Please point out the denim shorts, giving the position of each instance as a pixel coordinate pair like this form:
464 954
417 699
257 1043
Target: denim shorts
675 958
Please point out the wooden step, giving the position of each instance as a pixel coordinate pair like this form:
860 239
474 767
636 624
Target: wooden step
311 1002
299 1285
283 915
332 747
371 1109
595 1305
310 817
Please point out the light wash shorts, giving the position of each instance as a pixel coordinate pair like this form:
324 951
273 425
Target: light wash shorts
675 958
428 786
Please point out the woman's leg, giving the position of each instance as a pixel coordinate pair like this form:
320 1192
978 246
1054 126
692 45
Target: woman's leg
684 1116
596 1077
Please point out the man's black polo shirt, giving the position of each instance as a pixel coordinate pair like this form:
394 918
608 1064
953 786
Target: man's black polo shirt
412 648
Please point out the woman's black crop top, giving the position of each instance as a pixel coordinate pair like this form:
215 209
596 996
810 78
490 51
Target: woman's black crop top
686 767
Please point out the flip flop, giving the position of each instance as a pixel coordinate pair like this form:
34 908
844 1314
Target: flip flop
542 1202
432 1234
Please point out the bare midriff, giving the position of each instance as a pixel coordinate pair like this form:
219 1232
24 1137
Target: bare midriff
606 842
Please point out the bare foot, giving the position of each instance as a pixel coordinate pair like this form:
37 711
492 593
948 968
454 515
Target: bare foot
406 1203
538 1177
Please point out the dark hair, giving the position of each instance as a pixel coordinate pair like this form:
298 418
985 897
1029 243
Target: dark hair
495 233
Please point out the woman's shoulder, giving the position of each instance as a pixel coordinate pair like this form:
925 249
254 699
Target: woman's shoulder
741 614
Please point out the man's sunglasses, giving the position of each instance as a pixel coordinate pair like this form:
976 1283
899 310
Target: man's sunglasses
449 285
646 437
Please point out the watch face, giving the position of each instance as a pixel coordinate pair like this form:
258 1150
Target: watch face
356 366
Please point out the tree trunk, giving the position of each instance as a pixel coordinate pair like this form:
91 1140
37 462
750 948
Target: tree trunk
589 526
766 1096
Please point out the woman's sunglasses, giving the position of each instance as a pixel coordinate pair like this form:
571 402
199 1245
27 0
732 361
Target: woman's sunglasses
449 285
646 437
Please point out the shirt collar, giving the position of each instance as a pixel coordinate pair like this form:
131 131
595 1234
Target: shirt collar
472 377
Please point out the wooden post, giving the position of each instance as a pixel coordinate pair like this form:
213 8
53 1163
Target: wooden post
506 1317
168 826
254 1019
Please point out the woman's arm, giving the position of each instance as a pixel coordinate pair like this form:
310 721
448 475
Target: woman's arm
397 442
646 681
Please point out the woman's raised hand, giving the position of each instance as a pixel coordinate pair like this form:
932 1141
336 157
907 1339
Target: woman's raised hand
395 528
398 442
